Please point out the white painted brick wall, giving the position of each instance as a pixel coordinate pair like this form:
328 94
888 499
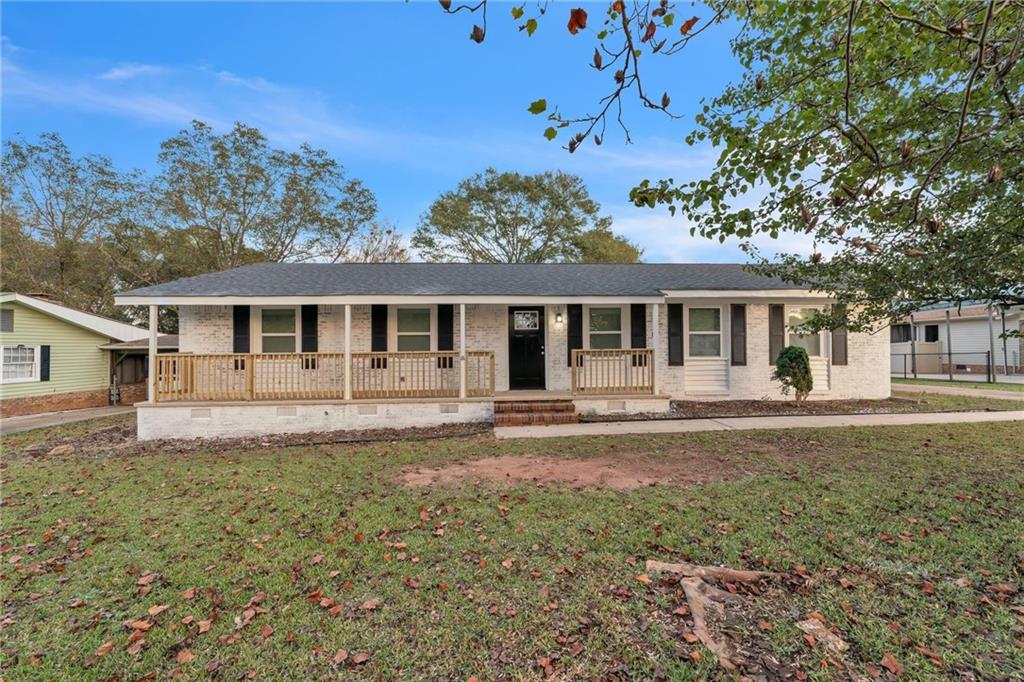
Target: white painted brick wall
866 375
205 329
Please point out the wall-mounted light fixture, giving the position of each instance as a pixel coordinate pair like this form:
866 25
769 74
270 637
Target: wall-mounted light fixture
558 319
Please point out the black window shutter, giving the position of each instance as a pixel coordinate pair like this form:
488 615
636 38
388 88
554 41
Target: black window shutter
574 338
839 341
738 334
446 327
379 328
379 335
44 363
638 325
776 331
446 334
309 327
675 333
241 313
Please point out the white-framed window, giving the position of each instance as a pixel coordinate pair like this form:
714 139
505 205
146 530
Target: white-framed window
413 329
811 343
20 364
279 329
7 320
605 325
704 332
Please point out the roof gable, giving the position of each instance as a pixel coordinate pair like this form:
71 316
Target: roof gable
94 323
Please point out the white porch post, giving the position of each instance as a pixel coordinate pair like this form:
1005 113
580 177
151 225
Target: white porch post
348 351
656 345
462 350
154 317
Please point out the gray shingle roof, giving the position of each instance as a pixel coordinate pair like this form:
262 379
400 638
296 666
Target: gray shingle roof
459 279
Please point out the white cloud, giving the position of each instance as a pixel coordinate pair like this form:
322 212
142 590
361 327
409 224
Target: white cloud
667 238
129 71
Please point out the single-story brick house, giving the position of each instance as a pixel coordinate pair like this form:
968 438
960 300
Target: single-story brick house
56 358
278 347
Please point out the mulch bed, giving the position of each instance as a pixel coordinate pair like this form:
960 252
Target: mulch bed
720 409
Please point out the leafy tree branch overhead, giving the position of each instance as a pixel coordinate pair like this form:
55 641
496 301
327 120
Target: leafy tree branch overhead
888 134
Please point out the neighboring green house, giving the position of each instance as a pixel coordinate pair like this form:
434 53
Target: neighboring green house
53 357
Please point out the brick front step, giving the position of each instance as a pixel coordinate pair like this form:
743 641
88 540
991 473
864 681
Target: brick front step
532 412
534 418
512 406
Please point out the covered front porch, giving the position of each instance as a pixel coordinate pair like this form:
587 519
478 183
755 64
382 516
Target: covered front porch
396 375
405 350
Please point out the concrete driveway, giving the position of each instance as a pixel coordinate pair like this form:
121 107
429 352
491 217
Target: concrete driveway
744 423
39 421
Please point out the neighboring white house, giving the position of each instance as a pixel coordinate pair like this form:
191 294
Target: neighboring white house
300 347
967 338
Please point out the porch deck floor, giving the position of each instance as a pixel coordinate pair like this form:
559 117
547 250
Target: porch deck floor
538 395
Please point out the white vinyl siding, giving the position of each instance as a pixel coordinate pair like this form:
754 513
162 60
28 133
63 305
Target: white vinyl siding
706 367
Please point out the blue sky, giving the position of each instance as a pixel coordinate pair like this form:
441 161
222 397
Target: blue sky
395 91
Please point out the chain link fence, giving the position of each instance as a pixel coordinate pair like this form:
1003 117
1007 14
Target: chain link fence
971 366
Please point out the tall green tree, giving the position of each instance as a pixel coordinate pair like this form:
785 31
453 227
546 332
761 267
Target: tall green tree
57 210
506 217
75 228
889 133
601 245
239 200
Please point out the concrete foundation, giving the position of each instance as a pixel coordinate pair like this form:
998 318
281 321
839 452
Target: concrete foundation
235 420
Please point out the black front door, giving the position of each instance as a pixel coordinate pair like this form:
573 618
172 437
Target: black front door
525 348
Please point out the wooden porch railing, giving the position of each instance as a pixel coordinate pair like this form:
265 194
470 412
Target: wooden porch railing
627 370
285 376
433 374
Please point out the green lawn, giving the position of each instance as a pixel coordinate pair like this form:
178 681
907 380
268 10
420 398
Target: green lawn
1001 386
894 535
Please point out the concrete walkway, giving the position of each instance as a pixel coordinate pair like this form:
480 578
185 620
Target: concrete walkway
957 390
746 423
39 421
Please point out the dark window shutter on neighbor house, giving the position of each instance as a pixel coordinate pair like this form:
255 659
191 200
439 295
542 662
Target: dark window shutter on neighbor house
738 334
240 315
675 333
445 334
44 363
839 341
309 326
776 331
574 337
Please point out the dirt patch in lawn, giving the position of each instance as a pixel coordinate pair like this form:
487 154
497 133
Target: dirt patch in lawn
618 473
120 441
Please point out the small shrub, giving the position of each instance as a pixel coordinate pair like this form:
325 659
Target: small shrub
793 369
